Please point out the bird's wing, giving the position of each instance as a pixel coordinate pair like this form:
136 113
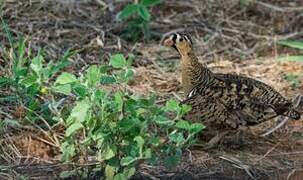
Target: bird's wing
238 98
206 109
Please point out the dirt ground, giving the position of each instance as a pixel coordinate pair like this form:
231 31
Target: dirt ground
228 37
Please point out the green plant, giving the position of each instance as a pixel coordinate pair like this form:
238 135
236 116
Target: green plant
292 44
27 77
119 128
138 19
293 80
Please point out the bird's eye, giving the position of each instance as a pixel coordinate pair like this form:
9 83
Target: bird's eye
181 39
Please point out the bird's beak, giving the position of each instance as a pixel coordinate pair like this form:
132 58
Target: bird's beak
168 42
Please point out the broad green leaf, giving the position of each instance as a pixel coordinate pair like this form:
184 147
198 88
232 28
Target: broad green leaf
110 172
117 61
141 111
183 125
185 108
150 2
292 43
108 152
93 75
65 78
130 59
140 141
80 90
79 112
68 150
127 11
143 12
129 74
64 89
100 95
162 120
177 137
196 127
127 160
129 172
36 64
147 153
172 105
104 68
73 128
127 124
119 100
120 176
106 80
125 75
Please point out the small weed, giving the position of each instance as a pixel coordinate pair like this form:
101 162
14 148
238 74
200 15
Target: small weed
121 129
27 77
138 19
293 80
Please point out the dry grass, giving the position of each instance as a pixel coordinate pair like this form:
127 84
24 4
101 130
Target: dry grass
228 37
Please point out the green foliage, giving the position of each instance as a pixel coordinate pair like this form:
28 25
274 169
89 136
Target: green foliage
28 77
119 128
292 44
293 80
138 19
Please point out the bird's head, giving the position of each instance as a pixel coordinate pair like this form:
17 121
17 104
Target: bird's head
179 41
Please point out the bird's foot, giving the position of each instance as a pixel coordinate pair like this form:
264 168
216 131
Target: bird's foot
213 142
235 141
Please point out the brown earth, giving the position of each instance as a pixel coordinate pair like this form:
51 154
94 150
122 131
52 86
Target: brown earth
229 38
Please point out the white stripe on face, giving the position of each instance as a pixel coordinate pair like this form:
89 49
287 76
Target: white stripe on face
178 38
187 39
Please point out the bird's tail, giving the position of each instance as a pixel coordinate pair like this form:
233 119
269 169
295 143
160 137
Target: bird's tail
293 114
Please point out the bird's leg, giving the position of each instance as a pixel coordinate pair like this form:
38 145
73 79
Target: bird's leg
215 140
298 102
239 137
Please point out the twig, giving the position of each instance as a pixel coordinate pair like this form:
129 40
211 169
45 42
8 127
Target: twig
269 151
177 96
238 164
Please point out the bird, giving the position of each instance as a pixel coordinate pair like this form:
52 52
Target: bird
225 100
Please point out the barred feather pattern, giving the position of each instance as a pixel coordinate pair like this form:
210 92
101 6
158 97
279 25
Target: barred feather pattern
230 99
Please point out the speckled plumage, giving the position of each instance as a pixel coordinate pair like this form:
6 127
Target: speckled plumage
225 99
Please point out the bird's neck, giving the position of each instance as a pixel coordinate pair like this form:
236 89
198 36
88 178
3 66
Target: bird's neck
193 72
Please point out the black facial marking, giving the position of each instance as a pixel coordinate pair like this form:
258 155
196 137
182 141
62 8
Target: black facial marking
188 38
174 46
174 38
